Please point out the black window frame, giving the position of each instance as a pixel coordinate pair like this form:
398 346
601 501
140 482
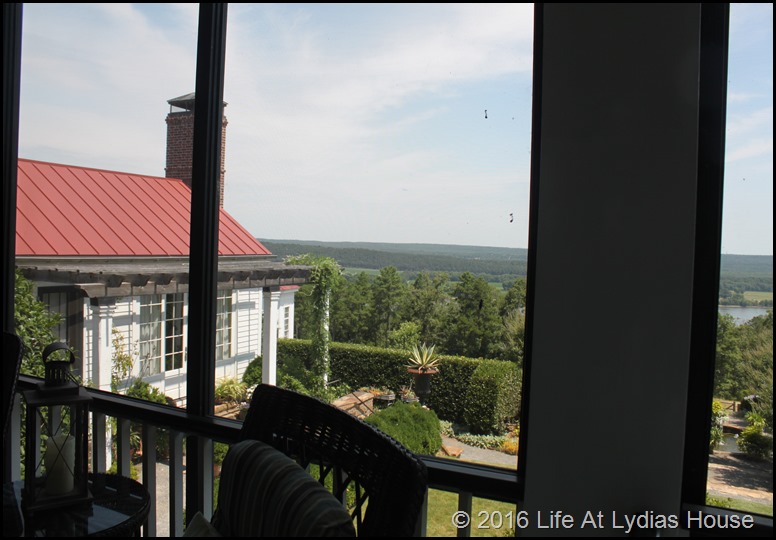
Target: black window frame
715 20
204 232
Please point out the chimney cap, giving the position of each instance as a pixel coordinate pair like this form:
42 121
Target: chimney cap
184 102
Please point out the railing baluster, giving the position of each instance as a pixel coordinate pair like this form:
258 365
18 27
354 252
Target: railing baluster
420 527
15 439
122 450
176 483
464 479
149 476
206 447
465 505
99 443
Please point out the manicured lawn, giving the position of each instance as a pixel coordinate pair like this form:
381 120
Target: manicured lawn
443 504
742 505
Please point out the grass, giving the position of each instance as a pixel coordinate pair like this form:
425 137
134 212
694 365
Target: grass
740 504
758 295
443 504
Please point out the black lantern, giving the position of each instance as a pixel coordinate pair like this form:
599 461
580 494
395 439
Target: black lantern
56 439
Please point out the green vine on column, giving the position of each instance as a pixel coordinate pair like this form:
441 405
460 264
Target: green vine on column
323 277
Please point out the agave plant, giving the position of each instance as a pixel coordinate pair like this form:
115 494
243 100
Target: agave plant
423 358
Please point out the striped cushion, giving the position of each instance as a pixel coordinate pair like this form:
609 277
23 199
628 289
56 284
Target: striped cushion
265 493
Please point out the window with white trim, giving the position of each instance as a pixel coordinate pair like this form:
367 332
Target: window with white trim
150 342
173 332
287 322
161 331
223 325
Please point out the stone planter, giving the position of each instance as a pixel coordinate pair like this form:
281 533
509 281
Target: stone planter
422 382
384 400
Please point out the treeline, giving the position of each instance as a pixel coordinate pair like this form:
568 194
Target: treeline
739 273
465 318
733 286
374 259
747 264
744 364
449 250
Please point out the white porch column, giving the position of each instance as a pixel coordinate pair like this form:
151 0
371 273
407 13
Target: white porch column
102 364
102 317
269 342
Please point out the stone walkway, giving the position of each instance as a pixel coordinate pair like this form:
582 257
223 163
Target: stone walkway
481 455
162 496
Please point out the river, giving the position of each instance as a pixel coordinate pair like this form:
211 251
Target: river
741 314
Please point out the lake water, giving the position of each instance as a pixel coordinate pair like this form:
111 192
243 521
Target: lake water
743 314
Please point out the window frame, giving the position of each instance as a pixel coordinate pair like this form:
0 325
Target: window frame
204 236
150 310
225 325
715 20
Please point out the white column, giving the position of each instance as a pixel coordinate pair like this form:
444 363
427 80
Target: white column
102 362
102 311
269 342
291 314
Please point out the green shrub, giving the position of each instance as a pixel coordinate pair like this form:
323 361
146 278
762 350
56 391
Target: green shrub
133 473
219 452
450 387
252 374
755 443
231 390
142 390
410 424
493 396
446 428
489 442
359 366
718 416
294 356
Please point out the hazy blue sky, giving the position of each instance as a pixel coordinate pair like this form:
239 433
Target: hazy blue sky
351 122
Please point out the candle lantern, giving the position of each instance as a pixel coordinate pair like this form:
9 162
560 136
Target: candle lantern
56 439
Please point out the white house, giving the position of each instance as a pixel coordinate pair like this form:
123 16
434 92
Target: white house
109 250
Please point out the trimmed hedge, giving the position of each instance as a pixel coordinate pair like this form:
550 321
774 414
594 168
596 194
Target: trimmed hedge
488 389
492 398
410 424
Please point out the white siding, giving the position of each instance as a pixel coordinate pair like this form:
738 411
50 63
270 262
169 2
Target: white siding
246 338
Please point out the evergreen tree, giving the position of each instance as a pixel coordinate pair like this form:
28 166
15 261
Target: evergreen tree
389 296
475 324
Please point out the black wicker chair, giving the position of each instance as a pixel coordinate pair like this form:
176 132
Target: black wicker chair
388 480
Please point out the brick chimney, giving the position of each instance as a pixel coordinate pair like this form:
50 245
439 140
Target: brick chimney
180 141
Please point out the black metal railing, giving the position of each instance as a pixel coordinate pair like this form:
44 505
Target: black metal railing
166 517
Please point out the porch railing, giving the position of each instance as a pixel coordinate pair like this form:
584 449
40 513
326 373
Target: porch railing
466 479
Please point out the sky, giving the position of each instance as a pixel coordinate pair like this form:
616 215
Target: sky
352 122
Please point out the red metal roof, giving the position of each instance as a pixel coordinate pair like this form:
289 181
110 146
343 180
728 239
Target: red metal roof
63 210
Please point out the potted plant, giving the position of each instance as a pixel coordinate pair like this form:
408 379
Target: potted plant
423 365
407 394
383 397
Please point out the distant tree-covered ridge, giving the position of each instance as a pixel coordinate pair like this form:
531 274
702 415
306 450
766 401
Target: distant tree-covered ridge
739 273
437 258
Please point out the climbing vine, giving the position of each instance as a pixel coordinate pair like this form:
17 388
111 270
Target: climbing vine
323 277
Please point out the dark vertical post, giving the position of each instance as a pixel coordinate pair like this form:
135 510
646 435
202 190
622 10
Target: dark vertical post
203 257
708 245
533 221
12 59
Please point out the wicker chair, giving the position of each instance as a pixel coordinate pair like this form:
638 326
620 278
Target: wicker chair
388 480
